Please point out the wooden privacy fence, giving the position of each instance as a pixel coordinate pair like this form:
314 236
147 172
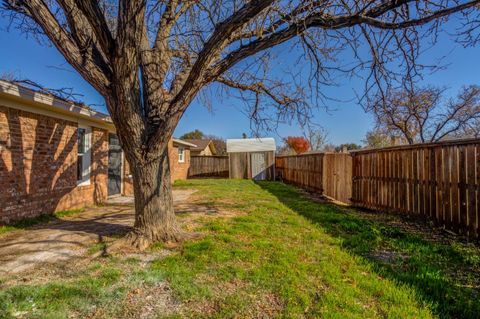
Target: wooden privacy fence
440 180
327 173
208 166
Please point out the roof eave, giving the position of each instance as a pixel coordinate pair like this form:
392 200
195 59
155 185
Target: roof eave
178 141
53 103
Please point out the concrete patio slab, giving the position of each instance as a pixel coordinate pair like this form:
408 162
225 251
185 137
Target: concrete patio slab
70 237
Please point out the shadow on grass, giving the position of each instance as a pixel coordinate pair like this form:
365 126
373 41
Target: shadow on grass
105 224
445 275
34 221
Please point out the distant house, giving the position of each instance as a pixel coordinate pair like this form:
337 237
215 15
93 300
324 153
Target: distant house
180 152
203 147
57 155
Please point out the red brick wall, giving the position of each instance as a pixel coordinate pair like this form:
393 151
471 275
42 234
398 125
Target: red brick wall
38 166
38 157
179 170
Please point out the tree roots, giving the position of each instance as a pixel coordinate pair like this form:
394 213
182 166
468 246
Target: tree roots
139 241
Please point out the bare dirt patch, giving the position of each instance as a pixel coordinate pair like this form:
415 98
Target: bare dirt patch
261 303
193 213
387 256
148 301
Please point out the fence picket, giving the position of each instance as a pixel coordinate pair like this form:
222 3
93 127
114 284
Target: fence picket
208 166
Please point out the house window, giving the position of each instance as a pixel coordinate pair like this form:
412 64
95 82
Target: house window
181 155
83 155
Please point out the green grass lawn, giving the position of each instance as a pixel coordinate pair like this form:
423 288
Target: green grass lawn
276 254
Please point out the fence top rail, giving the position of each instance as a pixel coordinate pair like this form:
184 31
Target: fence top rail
309 154
207 156
418 145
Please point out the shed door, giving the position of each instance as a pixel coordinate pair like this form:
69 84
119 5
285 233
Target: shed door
114 165
259 166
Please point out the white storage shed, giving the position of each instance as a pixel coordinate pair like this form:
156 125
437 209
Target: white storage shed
252 158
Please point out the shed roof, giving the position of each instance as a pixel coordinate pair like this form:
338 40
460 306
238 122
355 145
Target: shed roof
251 145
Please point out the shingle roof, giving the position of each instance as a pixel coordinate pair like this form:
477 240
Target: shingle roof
200 144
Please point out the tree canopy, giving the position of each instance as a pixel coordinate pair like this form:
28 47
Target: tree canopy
193 135
422 115
170 50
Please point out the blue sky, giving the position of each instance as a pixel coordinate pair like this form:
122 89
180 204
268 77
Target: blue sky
345 121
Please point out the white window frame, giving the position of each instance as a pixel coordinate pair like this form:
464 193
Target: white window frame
86 157
181 154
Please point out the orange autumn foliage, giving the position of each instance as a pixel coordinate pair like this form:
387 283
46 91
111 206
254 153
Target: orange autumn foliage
298 143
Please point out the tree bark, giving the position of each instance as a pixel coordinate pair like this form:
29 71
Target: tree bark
154 214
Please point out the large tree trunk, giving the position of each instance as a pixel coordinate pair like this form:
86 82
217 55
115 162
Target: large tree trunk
154 215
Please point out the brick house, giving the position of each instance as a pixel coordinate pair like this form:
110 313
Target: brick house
56 155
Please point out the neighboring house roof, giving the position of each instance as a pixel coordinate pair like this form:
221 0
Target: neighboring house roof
202 145
184 143
51 103
251 145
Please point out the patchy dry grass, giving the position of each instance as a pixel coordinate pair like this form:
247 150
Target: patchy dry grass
274 253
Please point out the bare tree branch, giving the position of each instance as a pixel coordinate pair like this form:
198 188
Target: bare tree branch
80 59
97 21
419 116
